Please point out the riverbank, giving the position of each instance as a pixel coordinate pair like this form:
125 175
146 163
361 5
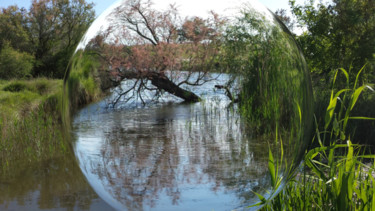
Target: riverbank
31 130
30 119
38 168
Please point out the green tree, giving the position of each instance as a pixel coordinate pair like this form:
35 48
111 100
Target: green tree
13 28
339 34
56 28
14 64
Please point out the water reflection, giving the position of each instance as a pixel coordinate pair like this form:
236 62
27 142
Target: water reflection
207 155
171 156
52 184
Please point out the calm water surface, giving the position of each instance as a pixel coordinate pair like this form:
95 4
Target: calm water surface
54 184
165 156
171 156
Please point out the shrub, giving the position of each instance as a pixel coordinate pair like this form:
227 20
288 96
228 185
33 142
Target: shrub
15 64
15 87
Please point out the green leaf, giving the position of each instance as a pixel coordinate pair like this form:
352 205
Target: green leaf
349 157
336 127
271 168
317 132
261 198
346 75
342 135
359 72
309 161
331 107
367 156
373 192
334 78
320 163
299 113
355 96
361 118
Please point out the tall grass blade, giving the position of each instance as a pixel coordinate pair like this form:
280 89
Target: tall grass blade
361 118
271 168
355 96
357 77
331 107
346 75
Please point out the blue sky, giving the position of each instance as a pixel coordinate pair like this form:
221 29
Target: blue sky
101 5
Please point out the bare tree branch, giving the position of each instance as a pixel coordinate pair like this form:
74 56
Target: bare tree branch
157 48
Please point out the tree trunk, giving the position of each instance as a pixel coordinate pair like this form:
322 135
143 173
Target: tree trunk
157 79
167 85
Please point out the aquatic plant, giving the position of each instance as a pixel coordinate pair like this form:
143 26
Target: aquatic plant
336 174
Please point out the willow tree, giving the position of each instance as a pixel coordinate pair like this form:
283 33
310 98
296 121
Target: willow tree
159 51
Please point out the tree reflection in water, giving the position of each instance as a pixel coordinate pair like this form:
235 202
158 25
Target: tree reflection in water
172 156
198 156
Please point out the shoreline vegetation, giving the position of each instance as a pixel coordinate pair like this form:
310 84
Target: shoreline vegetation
337 172
334 170
30 120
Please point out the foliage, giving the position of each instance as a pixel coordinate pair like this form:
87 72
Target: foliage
285 19
15 87
18 97
30 119
14 64
345 183
272 71
83 85
50 31
36 136
14 30
338 178
56 28
340 33
155 51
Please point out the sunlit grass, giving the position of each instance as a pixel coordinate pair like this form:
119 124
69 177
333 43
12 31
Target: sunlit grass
30 119
336 174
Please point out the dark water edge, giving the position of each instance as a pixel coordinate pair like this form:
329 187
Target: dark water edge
53 184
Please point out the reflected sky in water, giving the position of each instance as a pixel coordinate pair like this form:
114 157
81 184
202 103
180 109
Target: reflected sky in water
171 156
207 155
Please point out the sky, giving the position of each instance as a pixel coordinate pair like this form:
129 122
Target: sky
101 5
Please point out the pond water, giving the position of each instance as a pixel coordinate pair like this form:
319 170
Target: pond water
163 156
53 184
171 155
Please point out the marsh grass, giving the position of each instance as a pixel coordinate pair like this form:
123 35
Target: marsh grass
336 174
30 120
85 83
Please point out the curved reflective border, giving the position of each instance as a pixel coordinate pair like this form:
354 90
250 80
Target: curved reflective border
136 55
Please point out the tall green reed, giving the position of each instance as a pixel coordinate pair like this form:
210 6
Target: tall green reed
30 121
335 175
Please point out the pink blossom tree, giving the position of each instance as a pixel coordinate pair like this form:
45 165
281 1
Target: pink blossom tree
160 50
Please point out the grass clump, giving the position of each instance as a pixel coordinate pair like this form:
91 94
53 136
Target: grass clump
30 119
336 174
15 87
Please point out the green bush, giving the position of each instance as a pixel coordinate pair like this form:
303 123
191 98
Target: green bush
15 87
15 64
